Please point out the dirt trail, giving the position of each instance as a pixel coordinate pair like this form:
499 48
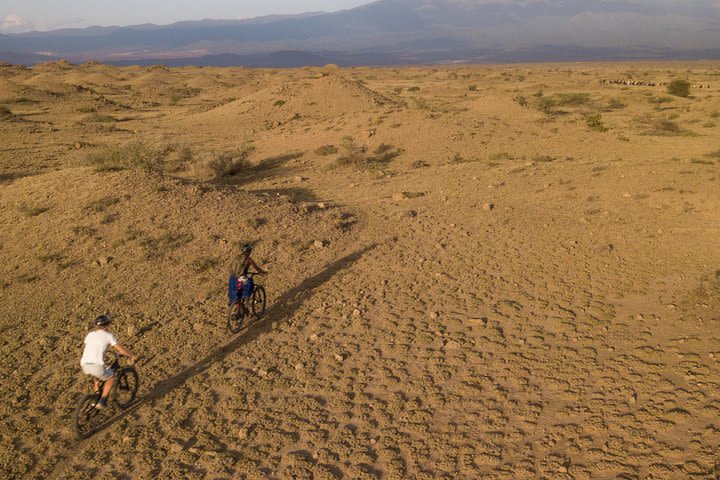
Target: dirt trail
474 307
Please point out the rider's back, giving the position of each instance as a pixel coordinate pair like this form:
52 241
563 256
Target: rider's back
96 342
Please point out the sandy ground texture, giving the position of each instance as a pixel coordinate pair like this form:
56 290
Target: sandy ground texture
497 272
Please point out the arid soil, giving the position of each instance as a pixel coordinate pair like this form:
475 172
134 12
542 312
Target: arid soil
497 272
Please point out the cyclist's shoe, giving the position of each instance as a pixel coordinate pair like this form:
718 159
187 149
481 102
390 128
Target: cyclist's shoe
101 404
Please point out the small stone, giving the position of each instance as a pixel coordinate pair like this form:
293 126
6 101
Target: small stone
670 306
399 196
438 333
299 178
356 312
627 195
299 366
176 448
639 317
130 331
521 341
313 337
711 355
319 244
242 433
633 398
562 469
339 357
262 373
103 261
321 205
412 213
434 315
78 145
197 326
488 206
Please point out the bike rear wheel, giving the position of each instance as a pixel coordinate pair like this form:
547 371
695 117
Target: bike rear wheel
87 417
126 387
235 317
258 301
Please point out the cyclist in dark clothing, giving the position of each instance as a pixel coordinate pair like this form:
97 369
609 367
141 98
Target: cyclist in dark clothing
239 282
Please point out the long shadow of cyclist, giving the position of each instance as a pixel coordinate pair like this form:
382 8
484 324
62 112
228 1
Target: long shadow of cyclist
279 310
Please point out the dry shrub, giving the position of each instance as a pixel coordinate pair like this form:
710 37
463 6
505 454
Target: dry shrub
232 162
358 156
679 88
134 155
326 150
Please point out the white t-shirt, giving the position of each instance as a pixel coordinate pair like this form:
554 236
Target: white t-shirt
96 343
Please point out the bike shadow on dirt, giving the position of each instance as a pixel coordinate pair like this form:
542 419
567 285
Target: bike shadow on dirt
279 310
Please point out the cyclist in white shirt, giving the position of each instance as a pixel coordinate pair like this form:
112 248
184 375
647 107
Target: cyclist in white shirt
92 361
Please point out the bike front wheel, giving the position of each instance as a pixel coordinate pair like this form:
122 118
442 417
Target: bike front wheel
87 417
126 387
258 301
235 317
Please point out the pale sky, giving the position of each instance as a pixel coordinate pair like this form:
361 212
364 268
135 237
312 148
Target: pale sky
26 15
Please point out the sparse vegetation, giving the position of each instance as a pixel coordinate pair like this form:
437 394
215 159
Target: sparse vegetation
32 211
102 204
595 123
326 150
496 157
358 156
473 88
157 247
679 88
84 231
232 162
615 104
203 264
715 154
134 155
520 100
98 118
279 103
573 99
414 88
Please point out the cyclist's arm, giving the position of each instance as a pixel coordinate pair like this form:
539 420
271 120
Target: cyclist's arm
124 351
255 266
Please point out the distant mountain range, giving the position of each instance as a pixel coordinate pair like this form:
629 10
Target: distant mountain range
401 32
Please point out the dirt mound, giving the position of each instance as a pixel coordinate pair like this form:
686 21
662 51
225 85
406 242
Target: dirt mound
59 65
44 79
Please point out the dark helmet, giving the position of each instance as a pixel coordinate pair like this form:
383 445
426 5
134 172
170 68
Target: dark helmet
247 248
103 320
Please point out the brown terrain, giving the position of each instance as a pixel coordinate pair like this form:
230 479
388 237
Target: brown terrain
497 272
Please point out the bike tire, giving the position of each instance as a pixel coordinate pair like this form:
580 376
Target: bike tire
235 317
86 416
258 301
126 386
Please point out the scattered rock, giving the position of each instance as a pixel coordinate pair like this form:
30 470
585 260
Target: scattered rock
639 317
627 195
369 133
176 448
633 398
488 206
318 244
399 196
299 366
130 331
339 357
434 315
357 312
78 145
299 178
321 205
242 433
313 337
261 373
104 261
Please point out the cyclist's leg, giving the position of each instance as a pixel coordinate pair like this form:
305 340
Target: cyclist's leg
232 289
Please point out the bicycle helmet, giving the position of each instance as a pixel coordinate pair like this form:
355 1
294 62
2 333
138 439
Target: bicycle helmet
247 248
103 320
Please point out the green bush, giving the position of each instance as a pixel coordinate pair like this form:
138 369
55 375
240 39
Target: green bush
679 88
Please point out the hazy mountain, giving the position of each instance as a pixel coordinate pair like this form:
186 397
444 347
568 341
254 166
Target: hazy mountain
401 31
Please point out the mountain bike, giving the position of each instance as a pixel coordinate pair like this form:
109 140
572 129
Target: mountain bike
87 417
253 304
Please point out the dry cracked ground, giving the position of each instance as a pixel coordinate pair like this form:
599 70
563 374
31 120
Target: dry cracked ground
497 272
